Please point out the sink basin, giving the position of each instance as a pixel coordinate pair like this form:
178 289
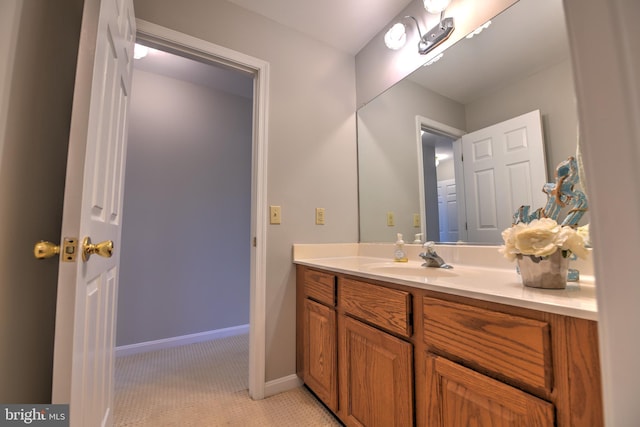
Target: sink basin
408 269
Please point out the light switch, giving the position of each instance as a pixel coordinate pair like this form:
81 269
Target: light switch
275 214
390 219
319 216
416 220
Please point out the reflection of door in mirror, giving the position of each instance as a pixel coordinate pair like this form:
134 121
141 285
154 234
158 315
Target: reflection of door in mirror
501 167
504 168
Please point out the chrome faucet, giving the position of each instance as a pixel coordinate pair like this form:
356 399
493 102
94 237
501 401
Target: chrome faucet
431 258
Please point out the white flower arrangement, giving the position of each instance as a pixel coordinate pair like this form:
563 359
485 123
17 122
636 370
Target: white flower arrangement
543 237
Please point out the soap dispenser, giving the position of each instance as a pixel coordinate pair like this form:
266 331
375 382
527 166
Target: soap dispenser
399 254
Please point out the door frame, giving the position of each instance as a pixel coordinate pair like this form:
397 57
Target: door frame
189 46
424 122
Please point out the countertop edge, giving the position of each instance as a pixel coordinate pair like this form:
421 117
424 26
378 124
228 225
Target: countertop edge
480 294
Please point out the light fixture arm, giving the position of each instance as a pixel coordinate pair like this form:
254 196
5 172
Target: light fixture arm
417 25
434 36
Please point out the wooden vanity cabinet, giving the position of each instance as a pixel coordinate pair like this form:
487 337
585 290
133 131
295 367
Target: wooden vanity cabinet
317 350
375 366
383 354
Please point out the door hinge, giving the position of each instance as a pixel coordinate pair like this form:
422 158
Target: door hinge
255 241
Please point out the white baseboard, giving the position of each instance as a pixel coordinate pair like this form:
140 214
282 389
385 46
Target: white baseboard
281 385
143 347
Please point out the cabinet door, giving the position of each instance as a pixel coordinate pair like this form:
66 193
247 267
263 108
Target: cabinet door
376 377
463 397
320 352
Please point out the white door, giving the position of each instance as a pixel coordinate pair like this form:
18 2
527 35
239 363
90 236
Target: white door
504 168
448 210
87 290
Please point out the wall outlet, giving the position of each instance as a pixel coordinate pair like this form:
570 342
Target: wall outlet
390 219
319 216
275 214
416 220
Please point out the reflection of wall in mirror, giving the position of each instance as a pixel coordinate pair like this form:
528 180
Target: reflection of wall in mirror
387 163
391 117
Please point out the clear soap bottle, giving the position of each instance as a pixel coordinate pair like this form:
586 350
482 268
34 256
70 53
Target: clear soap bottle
399 254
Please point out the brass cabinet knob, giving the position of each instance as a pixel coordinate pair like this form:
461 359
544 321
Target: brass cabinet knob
43 250
104 249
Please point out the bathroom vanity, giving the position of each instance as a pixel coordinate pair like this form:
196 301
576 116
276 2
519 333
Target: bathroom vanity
396 344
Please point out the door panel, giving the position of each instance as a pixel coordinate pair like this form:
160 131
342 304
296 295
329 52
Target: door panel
462 397
504 168
320 364
376 387
448 210
87 289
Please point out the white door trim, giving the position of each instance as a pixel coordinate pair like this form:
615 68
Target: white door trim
195 47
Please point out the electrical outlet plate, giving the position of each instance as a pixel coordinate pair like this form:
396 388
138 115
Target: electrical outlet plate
390 219
319 216
416 220
275 214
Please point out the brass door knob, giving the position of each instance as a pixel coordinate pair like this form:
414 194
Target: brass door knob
104 249
43 250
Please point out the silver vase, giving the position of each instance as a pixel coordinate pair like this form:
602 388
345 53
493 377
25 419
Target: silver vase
544 272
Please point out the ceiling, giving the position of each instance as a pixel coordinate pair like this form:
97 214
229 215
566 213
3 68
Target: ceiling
535 29
347 25
353 24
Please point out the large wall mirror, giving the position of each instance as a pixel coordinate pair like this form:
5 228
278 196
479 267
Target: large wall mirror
410 140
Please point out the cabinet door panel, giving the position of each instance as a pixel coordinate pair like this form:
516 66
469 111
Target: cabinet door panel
463 397
320 368
376 377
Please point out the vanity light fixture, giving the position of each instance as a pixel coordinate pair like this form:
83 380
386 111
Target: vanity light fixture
396 37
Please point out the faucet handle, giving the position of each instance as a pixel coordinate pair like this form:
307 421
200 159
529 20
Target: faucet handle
429 246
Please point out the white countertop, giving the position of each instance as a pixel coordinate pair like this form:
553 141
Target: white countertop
499 282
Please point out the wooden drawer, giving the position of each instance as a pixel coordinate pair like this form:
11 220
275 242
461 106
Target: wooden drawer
320 286
387 308
503 345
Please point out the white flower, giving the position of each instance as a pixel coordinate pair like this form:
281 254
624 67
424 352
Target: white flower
584 232
541 237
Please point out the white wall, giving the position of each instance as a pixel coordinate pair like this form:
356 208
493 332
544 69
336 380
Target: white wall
607 75
36 88
186 220
312 149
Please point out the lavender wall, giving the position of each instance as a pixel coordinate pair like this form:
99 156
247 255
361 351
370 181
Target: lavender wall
186 220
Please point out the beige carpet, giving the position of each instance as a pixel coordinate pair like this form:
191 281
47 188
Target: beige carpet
203 385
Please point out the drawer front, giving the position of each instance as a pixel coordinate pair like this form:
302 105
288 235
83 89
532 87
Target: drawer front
387 308
510 347
320 286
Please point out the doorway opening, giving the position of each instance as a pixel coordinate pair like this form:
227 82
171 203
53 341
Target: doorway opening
217 247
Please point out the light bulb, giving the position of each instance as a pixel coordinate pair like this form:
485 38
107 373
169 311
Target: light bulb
436 6
140 51
396 37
